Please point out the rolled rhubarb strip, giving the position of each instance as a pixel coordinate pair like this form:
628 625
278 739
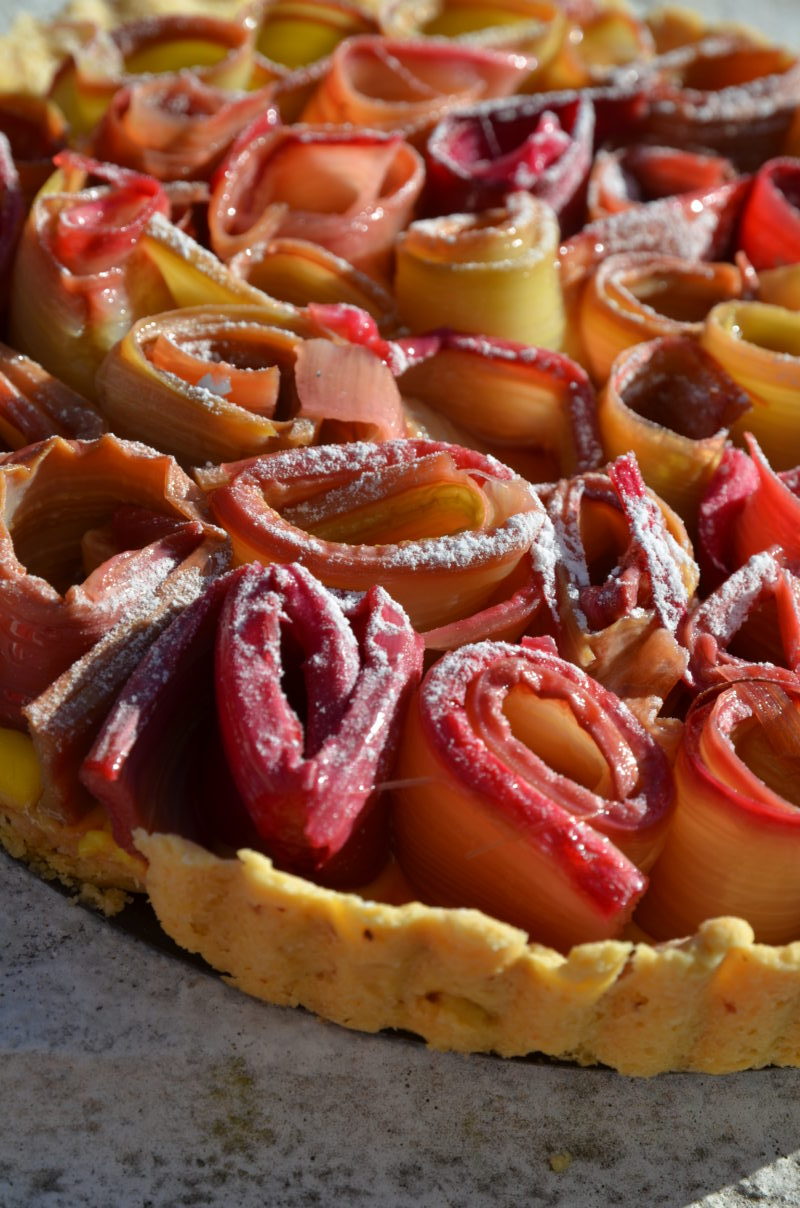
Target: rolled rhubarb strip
64 720
294 33
748 508
12 216
529 791
620 551
758 345
492 274
637 296
300 272
36 130
406 86
543 407
175 126
205 384
729 94
92 261
298 691
220 52
758 609
90 530
78 259
600 39
628 176
35 405
770 229
351 192
670 403
733 842
542 145
691 226
439 526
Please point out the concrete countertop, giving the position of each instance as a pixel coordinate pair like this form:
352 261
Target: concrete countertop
133 1079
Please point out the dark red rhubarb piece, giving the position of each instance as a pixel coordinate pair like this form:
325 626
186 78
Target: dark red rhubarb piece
266 715
541 144
12 213
308 767
770 229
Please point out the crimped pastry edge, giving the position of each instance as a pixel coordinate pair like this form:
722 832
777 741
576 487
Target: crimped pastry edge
464 982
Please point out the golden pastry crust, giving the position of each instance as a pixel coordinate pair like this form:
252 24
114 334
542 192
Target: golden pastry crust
468 983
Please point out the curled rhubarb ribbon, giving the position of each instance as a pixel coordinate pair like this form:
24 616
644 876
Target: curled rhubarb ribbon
526 789
623 558
543 412
351 192
119 520
300 272
758 345
439 526
205 384
729 94
770 228
492 274
542 145
637 296
600 39
536 28
75 270
36 131
294 33
747 508
758 608
406 86
219 52
35 405
671 403
12 216
733 843
629 176
174 126
298 691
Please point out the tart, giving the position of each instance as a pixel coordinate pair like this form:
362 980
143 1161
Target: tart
399 579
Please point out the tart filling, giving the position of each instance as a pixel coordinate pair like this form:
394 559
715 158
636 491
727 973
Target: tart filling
385 667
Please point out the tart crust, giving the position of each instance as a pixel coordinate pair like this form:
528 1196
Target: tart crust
465 982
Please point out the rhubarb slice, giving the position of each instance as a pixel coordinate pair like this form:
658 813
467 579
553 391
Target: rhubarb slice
348 191
299 694
540 144
212 383
406 86
531 407
175 126
528 790
732 846
491 274
439 526
70 568
671 403
35 405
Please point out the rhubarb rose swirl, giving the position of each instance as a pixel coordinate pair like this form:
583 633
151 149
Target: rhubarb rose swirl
439 526
733 845
349 191
205 384
266 714
90 531
528 790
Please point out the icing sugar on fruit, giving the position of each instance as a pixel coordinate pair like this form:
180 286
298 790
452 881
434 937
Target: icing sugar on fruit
398 510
